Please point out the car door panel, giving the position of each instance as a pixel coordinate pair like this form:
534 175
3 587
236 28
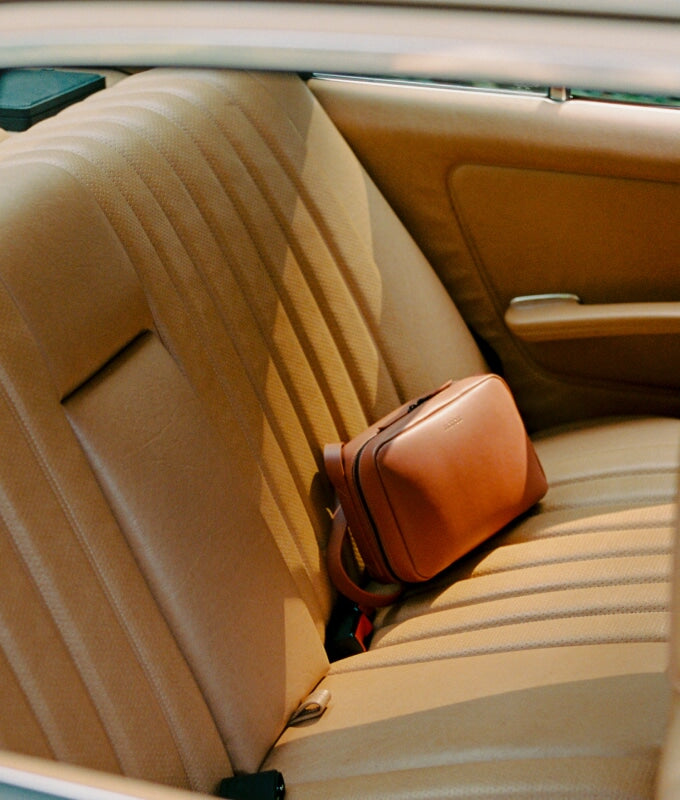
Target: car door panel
512 195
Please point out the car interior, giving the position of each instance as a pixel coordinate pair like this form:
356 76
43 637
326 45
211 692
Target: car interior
207 275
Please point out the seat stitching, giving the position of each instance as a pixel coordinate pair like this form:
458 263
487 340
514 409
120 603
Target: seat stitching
69 643
528 563
212 356
110 596
5 644
392 632
446 765
34 707
47 154
628 472
305 559
592 639
325 309
210 291
313 212
648 500
515 536
272 419
303 269
241 210
547 586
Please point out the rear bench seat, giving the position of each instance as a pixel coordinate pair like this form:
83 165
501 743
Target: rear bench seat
200 287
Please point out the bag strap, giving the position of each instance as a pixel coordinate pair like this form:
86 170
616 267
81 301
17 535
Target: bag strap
340 577
335 469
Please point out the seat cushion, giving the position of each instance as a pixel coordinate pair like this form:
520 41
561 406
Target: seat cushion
535 667
591 563
567 722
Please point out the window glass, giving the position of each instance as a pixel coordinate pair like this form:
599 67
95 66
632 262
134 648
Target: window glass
526 88
625 97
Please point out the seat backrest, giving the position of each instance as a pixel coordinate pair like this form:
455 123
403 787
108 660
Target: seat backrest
148 624
294 300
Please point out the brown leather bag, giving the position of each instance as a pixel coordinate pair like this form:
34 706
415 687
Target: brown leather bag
429 482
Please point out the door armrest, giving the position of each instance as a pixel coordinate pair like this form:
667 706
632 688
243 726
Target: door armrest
546 318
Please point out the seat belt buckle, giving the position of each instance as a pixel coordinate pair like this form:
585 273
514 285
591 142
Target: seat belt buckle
267 785
349 630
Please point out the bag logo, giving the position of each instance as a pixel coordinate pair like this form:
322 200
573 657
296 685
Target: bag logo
452 422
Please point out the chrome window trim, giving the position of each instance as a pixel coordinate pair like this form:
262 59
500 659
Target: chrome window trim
446 85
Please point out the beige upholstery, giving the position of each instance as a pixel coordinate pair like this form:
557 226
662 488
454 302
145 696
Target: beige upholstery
607 521
165 475
568 722
668 784
89 669
200 287
283 294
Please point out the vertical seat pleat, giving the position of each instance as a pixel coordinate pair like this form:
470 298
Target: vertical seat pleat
262 282
92 618
33 732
